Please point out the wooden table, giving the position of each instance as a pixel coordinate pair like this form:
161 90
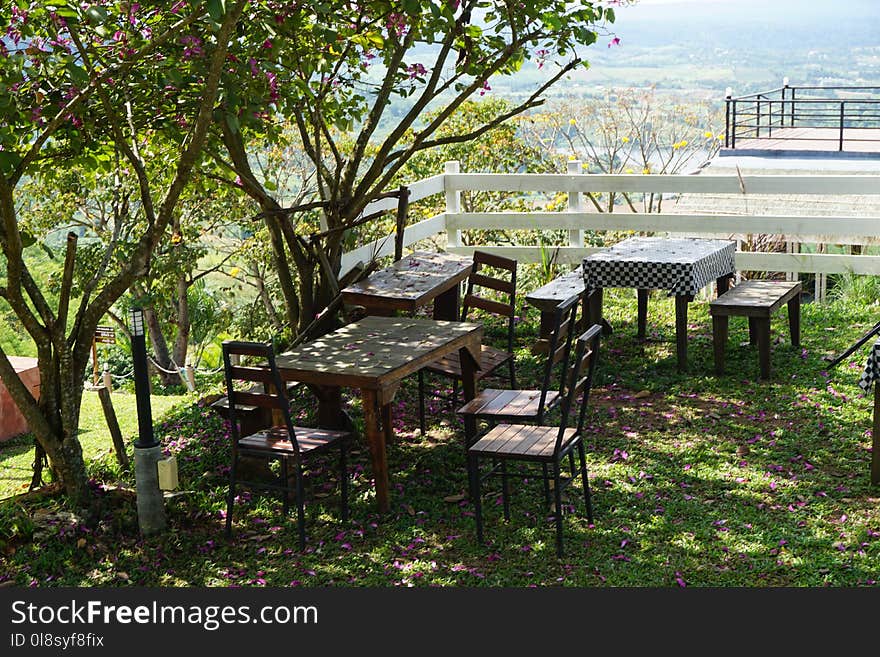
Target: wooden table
413 282
681 265
374 355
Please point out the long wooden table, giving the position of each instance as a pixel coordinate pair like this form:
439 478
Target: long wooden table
374 355
413 282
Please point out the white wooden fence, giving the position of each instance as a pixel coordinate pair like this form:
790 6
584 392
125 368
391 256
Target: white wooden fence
803 229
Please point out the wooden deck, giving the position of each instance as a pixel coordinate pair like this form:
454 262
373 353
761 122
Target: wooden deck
856 141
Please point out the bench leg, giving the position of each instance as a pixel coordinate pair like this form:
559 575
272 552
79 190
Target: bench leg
762 328
719 340
794 319
643 312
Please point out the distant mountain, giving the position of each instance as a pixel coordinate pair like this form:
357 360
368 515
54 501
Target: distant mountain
700 47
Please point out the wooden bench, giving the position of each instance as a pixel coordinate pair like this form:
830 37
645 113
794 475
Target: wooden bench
757 300
547 297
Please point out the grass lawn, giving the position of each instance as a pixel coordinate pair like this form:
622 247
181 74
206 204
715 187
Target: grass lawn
697 480
17 455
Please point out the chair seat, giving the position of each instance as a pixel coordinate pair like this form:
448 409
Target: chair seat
521 441
490 359
521 404
276 439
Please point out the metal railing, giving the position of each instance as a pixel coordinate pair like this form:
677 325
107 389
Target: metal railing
766 115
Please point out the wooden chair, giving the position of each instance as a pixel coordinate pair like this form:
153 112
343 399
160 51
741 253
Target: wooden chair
543 444
282 441
491 358
495 406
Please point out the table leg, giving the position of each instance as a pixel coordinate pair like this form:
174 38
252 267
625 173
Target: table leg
330 413
722 283
762 328
681 332
376 440
875 440
643 312
469 388
794 320
387 426
446 304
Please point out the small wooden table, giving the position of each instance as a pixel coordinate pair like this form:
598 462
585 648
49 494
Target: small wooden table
412 282
681 265
374 355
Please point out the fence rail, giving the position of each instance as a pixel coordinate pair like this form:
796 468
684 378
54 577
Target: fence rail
766 115
820 230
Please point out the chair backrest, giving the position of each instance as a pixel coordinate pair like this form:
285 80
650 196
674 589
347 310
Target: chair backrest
580 380
558 349
478 280
271 395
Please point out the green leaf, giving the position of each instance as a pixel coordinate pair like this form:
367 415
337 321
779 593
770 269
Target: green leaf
27 238
8 161
216 9
96 14
232 121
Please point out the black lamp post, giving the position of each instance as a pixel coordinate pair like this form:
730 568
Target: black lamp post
141 381
147 452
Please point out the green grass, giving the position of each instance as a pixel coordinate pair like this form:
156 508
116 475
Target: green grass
17 455
698 480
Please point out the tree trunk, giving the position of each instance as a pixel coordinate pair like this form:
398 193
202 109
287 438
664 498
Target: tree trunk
263 294
160 348
181 342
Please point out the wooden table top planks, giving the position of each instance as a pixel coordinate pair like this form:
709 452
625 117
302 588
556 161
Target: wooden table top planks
376 350
410 282
548 296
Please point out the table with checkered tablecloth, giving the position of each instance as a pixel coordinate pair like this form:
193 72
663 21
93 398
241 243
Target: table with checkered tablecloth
870 374
683 266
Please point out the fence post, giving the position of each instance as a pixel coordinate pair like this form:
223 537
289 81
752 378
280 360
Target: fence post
453 204
842 114
727 94
575 204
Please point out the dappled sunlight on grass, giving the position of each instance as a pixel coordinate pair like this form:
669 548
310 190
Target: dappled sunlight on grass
697 480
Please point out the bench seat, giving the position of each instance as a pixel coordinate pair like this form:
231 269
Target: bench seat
758 300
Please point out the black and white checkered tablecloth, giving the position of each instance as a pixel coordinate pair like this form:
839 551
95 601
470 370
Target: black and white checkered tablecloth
872 368
681 265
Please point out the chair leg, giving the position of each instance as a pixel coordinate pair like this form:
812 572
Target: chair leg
557 496
571 465
585 480
300 509
285 483
505 491
546 484
422 401
343 481
512 368
474 478
230 496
